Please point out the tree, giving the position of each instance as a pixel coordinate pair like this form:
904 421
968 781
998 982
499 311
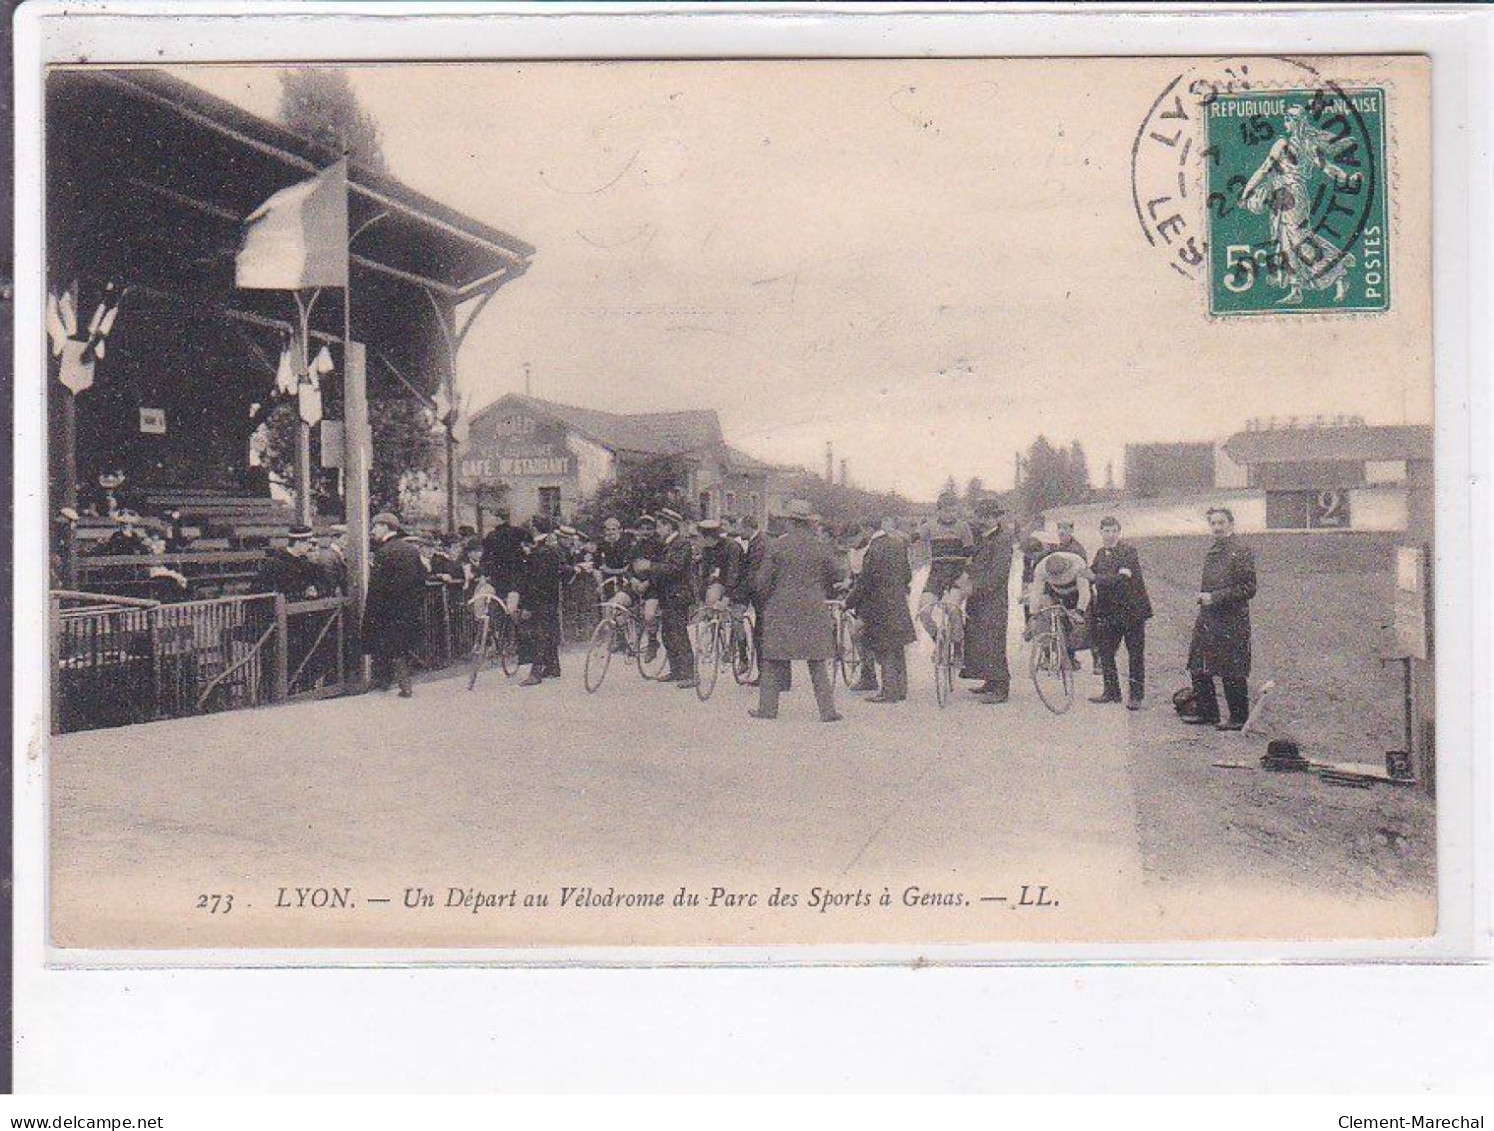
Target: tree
950 487
1053 477
320 105
974 490
639 487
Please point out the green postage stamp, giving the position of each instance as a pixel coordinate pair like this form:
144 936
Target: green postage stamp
1296 201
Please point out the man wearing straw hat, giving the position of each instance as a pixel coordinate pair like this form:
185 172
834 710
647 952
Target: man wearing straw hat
799 573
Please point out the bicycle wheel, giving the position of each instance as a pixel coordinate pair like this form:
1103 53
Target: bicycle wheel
480 653
508 645
599 655
1050 672
943 664
743 652
707 659
847 659
650 668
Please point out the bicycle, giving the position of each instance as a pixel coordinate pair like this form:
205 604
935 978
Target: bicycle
847 657
949 647
1048 659
620 629
711 638
497 638
743 645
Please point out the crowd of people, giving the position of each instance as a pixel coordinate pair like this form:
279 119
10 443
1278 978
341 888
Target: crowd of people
670 567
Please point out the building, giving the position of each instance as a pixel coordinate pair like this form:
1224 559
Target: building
1158 470
539 457
1334 477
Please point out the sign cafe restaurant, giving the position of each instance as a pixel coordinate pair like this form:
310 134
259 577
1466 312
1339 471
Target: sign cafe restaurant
539 457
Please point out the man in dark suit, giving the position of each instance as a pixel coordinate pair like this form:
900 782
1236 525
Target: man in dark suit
754 553
396 600
990 574
1119 611
503 559
1221 635
799 574
539 594
674 584
879 599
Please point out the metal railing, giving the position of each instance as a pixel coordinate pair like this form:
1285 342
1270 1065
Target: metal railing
118 660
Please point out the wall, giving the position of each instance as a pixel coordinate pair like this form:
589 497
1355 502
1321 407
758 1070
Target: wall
1371 509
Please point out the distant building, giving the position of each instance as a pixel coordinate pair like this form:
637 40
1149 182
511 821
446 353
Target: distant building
1159 470
1315 477
540 457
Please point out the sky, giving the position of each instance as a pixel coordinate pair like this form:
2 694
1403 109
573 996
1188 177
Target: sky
925 263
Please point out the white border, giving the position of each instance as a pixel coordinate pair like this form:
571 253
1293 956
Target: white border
1458 41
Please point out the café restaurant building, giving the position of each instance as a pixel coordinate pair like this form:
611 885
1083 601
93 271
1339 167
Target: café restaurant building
538 457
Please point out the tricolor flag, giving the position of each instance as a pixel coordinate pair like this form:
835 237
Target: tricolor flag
299 237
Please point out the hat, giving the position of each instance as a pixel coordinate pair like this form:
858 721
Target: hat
386 518
300 532
670 515
1061 568
126 516
800 511
111 479
568 531
709 526
646 520
68 514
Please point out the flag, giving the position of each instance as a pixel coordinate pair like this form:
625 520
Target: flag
286 378
299 237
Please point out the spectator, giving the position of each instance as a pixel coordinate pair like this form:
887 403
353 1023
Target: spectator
879 599
754 553
673 584
503 559
1221 634
288 569
1119 608
127 540
396 599
798 575
540 598
986 610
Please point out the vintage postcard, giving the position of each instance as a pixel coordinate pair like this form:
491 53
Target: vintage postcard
548 505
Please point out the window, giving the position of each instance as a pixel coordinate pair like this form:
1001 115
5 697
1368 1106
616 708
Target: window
705 504
549 502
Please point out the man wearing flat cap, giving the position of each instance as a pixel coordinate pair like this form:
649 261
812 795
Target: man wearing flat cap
392 612
797 577
990 573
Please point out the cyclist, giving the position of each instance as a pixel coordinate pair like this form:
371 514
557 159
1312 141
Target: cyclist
720 563
1060 579
951 543
648 548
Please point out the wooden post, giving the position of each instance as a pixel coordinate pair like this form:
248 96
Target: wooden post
357 453
282 651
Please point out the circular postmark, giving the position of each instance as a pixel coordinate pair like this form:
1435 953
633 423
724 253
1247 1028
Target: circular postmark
1265 180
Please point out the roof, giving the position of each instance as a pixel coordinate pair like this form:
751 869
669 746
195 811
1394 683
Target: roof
182 144
644 433
741 461
1356 444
